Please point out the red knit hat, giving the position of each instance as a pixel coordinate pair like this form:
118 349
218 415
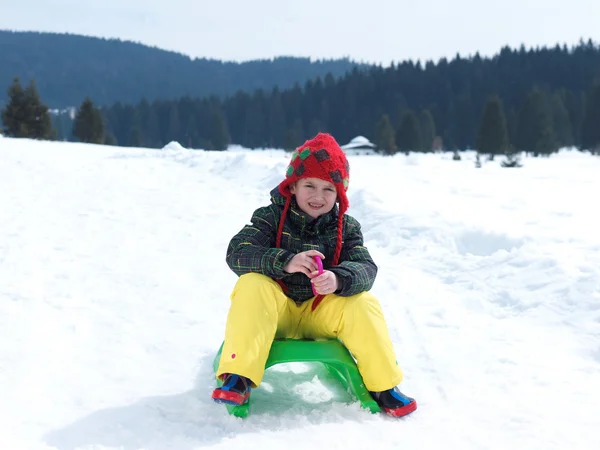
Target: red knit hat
320 157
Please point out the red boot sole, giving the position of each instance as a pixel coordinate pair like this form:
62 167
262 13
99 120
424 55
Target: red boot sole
232 398
400 412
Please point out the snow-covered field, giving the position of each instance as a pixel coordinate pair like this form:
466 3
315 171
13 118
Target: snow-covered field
114 293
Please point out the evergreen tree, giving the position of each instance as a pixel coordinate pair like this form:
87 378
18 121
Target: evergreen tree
192 138
534 127
14 115
386 141
427 130
294 135
408 135
115 118
88 125
314 126
561 122
25 116
492 138
135 135
511 160
276 120
150 125
449 124
546 143
575 104
39 121
110 139
465 121
174 128
511 124
255 122
219 136
590 133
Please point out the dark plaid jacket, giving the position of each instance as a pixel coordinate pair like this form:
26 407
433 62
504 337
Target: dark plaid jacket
253 248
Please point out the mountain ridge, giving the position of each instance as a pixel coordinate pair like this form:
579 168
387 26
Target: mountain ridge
68 67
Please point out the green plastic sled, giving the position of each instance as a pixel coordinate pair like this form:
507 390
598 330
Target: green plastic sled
331 353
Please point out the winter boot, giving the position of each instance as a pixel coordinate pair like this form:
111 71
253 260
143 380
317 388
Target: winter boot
394 402
235 390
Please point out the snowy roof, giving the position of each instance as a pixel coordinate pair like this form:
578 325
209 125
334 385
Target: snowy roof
359 142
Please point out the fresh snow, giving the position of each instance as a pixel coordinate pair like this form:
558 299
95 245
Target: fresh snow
114 293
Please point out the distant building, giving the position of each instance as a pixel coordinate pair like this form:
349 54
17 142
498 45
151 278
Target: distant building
360 145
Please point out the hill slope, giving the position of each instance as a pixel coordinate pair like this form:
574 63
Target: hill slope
69 67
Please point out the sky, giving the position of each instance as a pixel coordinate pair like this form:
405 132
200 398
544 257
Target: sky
375 31
114 293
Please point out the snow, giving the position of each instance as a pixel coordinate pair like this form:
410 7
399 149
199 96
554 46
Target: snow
114 293
173 146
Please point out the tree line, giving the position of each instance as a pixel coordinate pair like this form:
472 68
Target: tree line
26 116
519 100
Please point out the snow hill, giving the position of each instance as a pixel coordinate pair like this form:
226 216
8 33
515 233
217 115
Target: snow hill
114 293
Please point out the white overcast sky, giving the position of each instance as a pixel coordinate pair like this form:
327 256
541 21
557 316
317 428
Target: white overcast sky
375 31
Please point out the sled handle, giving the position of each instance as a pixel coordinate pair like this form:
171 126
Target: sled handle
320 267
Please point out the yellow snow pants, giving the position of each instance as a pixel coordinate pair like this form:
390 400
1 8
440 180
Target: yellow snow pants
261 312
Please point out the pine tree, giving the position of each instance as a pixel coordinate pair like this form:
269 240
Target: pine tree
13 115
135 136
408 135
561 122
152 128
590 133
386 141
427 130
25 116
535 125
88 126
255 121
219 136
511 124
174 128
39 122
492 138
575 104
110 139
276 120
546 144
294 135
465 120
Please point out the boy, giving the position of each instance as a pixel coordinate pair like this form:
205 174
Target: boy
274 299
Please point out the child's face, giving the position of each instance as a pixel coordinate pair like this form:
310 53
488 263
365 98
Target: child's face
314 196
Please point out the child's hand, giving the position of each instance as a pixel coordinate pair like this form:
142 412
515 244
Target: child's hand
304 262
326 283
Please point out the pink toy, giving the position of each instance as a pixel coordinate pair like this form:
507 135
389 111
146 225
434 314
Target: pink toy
320 266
